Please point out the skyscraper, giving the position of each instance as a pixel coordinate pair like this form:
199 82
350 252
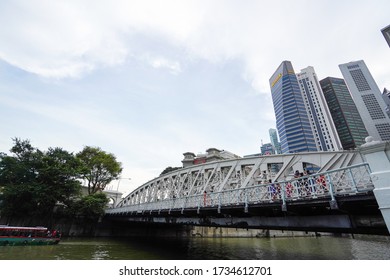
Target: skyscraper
386 34
346 117
368 99
267 149
274 140
386 98
292 121
320 119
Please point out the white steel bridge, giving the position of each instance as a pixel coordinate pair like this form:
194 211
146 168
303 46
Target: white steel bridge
252 181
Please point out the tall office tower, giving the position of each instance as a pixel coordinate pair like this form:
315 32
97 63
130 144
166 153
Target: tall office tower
317 109
267 149
274 140
346 117
386 98
368 99
292 121
386 34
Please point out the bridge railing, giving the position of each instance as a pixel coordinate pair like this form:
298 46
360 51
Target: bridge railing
345 181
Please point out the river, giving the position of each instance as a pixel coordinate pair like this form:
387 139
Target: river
281 248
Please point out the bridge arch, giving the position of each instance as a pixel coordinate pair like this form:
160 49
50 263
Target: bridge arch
234 174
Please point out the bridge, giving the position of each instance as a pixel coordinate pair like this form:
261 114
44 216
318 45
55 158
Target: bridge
336 193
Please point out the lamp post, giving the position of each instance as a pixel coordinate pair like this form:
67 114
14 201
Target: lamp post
119 180
117 189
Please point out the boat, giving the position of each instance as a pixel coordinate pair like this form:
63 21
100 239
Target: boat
12 235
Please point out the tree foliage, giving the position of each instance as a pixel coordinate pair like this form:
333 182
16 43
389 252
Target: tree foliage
33 182
91 206
99 168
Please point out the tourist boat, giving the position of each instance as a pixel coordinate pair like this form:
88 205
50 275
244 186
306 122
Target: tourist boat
10 235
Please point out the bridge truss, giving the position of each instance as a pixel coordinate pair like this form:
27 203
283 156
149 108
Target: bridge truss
250 181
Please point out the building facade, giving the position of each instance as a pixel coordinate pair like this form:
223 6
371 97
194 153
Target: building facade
346 117
321 121
386 98
273 135
267 149
292 121
386 34
212 154
368 99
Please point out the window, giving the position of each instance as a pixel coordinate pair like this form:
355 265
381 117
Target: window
353 66
384 131
373 107
360 80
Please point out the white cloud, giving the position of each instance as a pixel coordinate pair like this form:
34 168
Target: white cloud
71 38
162 62
190 40
57 39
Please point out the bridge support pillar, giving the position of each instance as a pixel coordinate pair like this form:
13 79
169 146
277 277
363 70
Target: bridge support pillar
377 155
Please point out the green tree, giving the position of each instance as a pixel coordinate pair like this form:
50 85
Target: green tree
99 168
59 172
34 182
91 206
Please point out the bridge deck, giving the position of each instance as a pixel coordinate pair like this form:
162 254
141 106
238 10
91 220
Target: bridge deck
348 181
340 200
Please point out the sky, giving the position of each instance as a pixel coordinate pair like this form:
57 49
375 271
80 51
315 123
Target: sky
149 80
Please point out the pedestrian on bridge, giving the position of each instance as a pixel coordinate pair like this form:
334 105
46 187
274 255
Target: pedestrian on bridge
272 190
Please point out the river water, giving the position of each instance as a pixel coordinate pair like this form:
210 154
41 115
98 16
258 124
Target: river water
291 248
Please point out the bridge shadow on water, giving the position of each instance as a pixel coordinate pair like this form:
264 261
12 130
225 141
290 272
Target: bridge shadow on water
298 248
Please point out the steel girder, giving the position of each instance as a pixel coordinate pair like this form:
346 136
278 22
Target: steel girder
220 176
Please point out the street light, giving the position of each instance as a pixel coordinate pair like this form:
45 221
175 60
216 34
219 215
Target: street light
117 190
119 180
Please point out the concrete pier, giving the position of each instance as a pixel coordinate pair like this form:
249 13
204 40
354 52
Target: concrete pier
377 155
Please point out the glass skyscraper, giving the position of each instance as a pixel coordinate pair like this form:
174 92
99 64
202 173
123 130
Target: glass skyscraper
346 117
274 140
292 121
368 99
